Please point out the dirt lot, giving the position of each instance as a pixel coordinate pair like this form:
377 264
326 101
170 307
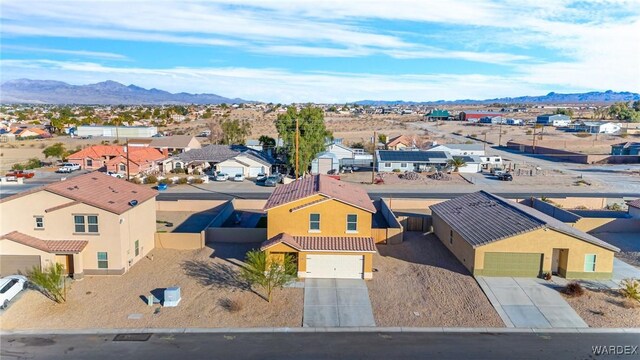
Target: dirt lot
420 283
206 277
396 179
606 308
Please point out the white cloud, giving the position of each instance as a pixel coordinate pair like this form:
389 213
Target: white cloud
82 53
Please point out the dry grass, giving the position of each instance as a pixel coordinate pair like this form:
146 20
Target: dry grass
211 297
606 308
420 283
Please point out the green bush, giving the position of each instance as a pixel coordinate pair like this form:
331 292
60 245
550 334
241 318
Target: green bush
33 163
50 282
396 170
197 172
17 167
630 288
183 181
178 171
165 181
151 179
198 181
529 132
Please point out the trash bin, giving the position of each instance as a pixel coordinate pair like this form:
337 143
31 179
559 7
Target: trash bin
172 296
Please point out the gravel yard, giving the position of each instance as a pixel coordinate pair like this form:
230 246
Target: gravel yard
606 309
420 283
206 277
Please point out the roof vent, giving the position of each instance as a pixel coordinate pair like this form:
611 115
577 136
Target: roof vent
133 202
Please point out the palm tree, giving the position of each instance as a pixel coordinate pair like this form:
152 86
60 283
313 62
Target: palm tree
456 163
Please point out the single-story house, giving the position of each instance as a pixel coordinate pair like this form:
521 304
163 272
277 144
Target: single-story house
597 127
400 142
117 131
436 114
494 119
172 144
475 116
325 224
92 224
492 236
472 164
459 149
324 163
140 161
114 158
403 160
626 148
230 159
558 120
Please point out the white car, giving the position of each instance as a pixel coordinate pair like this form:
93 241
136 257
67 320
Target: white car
68 167
10 286
238 177
222 176
115 175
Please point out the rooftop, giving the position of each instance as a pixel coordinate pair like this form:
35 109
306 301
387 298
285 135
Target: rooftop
322 243
413 156
220 153
50 246
323 185
482 218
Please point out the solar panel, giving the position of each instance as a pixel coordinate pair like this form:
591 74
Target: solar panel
412 156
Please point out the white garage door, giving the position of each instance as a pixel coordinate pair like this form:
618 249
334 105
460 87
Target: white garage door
324 165
335 266
255 170
231 170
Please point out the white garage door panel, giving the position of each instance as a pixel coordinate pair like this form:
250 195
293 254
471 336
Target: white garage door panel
335 266
254 171
324 165
232 170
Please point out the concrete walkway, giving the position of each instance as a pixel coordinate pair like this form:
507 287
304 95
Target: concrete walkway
336 303
621 271
527 303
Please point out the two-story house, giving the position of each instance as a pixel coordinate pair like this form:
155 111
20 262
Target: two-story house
325 224
93 224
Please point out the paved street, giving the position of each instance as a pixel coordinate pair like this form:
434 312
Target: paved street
337 303
527 303
331 345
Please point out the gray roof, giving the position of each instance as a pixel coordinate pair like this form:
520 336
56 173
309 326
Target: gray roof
413 156
482 218
175 141
468 147
220 153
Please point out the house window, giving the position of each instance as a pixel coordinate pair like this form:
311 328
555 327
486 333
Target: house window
387 165
39 219
103 261
136 246
590 263
450 236
123 167
352 223
89 162
314 222
86 223
404 165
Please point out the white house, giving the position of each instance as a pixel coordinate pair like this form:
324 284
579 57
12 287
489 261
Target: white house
324 163
557 120
460 149
403 160
491 161
121 131
598 127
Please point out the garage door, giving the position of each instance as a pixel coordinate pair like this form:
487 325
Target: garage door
324 165
254 171
335 266
14 264
232 170
512 264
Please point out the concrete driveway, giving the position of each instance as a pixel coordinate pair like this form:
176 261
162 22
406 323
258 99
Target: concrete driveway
529 303
336 303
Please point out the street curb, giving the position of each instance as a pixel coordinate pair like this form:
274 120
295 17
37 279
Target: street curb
320 330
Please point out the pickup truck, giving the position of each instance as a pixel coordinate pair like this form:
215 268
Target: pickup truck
20 174
68 167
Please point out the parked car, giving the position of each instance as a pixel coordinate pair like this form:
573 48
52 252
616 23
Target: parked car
272 180
10 286
64 170
221 176
504 177
70 166
238 177
332 172
21 174
261 177
115 175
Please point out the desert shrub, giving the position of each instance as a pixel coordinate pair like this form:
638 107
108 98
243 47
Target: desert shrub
178 171
474 135
529 132
33 163
614 207
165 181
50 281
198 181
183 180
624 135
151 179
116 141
136 181
17 167
630 289
396 170
42 146
197 172
573 289
581 207
32 145
231 306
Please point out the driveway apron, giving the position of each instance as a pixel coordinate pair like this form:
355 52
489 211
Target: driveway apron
336 303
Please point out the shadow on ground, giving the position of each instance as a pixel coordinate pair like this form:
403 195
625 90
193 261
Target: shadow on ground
213 274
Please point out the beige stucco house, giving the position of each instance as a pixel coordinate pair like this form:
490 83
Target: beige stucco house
492 236
93 224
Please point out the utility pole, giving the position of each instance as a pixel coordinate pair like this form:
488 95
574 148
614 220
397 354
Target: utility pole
297 145
534 140
373 169
127 155
500 134
484 143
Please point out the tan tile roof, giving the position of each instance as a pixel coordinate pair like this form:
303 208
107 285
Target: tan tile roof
634 203
324 185
102 191
323 243
50 246
404 139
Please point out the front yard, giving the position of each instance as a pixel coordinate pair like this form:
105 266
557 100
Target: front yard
420 283
207 280
606 309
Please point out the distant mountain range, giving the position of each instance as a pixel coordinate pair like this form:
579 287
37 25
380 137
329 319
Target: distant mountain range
114 93
103 93
595 97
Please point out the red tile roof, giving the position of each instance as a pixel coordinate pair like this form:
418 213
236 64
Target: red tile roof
323 243
136 154
50 246
324 185
404 139
102 191
634 203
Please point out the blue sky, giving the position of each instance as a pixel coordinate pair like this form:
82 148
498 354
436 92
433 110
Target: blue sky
329 51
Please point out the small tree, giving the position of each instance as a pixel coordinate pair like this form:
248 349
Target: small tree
630 288
56 150
50 281
456 163
266 273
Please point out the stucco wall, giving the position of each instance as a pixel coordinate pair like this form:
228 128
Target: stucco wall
8 247
179 241
333 219
461 249
236 235
139 223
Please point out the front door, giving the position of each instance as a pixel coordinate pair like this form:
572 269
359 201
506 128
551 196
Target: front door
555 261
67 263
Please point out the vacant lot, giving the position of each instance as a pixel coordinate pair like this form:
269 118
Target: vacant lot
606 308
208 283
420 283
